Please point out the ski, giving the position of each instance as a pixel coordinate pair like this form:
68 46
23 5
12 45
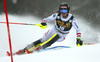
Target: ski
41 50
54 48
26 52
8 53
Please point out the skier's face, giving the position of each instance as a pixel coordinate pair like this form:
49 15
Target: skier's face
64 14
64 11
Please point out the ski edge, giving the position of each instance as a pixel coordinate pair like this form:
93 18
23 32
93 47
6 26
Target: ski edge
50 48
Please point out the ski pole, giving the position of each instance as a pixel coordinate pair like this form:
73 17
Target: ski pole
21 23
41 26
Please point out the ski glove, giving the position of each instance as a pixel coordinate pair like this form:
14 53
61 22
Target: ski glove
79 42
42 25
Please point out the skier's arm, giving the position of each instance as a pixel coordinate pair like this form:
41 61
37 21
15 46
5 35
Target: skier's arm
43 25
50 18
79 42
75 25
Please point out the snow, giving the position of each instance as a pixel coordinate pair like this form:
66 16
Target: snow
14 1
22 35
77 54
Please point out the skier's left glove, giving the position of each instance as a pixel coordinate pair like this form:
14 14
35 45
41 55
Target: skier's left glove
42 25
79 42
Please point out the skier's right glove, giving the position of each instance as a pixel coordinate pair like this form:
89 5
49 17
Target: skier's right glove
42 25
79 42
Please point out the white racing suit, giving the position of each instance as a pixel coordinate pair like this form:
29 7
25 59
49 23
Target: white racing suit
62 26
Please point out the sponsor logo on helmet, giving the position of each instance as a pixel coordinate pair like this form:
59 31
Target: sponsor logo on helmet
63 7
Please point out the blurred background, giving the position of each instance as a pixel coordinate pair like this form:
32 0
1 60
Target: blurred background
89 10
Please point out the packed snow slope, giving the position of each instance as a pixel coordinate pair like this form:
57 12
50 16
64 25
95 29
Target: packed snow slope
22 35
75 54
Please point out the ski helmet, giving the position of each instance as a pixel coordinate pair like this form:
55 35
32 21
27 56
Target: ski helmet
64 5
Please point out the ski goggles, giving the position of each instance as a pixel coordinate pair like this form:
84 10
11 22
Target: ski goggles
63 11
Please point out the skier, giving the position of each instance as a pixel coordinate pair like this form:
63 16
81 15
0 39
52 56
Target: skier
64 22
